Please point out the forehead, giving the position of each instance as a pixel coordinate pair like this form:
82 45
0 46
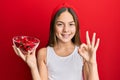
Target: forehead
65 16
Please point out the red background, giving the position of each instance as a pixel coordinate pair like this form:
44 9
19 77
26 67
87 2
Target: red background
32 17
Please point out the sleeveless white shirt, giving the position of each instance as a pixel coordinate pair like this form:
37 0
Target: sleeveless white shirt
64 68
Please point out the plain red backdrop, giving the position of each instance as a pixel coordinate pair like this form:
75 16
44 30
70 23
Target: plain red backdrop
32 17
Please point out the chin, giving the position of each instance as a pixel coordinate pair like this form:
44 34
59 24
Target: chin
66 40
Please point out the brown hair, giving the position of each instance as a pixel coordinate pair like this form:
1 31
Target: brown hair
52 37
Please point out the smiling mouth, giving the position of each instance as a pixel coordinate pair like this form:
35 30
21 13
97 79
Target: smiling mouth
65 35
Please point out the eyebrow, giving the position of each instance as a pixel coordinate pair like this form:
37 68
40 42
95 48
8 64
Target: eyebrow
63 22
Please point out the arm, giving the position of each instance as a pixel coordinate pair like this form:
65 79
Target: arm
41 58
30 59
93 71
35 74
85 71
90 71
88 52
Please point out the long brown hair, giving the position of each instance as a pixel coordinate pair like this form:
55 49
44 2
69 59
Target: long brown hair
52 37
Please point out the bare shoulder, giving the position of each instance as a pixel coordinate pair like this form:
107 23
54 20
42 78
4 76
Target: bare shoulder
42 51
41 55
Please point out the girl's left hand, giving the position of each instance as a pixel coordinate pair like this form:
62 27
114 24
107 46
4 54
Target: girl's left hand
88 51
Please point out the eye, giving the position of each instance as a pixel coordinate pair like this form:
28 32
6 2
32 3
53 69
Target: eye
72 24
59 24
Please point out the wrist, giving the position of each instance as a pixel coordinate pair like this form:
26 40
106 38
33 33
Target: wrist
92 60
91 63
34 69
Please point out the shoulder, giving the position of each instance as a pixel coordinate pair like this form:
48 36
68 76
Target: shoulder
42 51
41 55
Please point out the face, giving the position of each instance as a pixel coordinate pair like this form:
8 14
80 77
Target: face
65 27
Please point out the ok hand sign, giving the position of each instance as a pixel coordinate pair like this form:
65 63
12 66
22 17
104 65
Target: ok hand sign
88 51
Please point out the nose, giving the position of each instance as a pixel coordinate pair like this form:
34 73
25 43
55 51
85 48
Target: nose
65 29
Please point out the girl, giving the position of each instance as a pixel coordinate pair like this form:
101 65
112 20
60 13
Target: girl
65 57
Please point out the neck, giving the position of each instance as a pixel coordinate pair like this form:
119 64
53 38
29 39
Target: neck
64 45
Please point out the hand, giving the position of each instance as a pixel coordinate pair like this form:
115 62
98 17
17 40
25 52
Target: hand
88 51
29 58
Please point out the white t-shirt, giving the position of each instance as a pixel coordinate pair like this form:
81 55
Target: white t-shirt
64 68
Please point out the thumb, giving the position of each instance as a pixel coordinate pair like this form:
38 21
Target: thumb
15 50
34 51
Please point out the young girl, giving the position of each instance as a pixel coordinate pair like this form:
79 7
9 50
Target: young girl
65 57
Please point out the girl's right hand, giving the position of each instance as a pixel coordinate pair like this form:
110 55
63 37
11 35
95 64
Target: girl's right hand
29 58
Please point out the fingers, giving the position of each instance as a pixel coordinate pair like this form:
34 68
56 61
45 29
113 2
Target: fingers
18 52
83 47
93 40
82 50
14 48
87 38
97 44
34 51
21 54
92 43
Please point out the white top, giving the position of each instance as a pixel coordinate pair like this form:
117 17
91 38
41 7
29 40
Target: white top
64 68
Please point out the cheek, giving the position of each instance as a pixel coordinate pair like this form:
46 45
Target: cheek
73 30
58 30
